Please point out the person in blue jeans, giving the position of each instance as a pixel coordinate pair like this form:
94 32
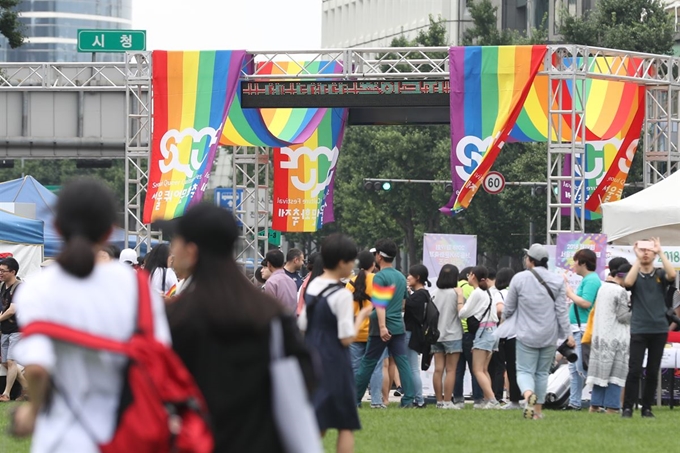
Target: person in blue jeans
414 311
386 324
361 287
585 264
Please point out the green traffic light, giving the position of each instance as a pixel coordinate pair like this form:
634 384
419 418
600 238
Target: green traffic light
386 185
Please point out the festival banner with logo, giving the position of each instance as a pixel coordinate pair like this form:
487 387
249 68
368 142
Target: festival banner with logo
475 115
488 88
304 176
569 243
627 252
440 249
192 94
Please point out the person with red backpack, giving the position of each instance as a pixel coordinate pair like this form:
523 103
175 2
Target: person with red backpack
95 345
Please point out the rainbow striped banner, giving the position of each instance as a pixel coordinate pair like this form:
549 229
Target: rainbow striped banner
382 295
275 127
483 96
192 95
488 88
304 176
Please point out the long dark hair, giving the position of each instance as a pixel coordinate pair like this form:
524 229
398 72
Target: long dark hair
317 269
366 262
157 258
86 213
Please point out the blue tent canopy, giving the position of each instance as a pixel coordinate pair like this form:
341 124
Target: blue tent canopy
29 190
20 230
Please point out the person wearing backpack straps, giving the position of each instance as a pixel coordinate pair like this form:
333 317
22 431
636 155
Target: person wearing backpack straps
480 309
9 267
75 393
330 328
224 329
648 323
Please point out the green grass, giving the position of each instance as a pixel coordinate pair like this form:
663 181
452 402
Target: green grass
430 430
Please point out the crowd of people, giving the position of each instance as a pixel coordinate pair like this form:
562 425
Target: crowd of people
353 322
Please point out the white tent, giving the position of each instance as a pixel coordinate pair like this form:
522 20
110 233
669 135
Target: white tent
653 212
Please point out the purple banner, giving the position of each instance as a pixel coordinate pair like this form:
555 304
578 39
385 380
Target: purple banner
569 243
440 249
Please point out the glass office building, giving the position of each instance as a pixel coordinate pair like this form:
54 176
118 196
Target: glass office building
51 28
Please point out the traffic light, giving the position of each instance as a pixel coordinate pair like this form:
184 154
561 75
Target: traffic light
448 187
377 185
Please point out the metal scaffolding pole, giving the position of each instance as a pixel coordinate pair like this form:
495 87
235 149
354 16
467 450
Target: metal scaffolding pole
251 207
566 142
661 133
137 145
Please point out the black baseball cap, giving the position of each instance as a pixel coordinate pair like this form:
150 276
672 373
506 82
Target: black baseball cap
211 228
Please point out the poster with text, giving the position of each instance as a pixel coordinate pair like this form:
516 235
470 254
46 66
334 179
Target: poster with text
440 249
569 243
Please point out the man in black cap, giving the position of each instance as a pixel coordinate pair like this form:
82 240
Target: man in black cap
386 329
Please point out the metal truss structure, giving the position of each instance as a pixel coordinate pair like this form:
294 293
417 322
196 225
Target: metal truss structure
251 177
661 133
138 128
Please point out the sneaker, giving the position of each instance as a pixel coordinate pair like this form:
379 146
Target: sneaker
647 413
529 408
569 407
627 413
479 405
378 406
399 391
440 404
451 406
512 406
492 405
419 406
459 405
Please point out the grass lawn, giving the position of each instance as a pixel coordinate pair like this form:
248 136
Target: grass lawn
428 430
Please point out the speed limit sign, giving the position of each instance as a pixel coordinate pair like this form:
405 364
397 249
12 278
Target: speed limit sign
494 182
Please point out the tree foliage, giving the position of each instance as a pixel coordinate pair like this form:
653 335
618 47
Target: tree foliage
634 25
10 27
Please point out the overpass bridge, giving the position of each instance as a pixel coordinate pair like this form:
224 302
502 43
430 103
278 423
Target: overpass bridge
103 110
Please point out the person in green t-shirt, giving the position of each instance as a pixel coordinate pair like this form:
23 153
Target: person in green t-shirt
585 264
386 329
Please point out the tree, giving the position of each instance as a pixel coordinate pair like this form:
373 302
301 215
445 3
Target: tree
634 25
10 27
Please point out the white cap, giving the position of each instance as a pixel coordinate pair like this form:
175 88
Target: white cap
537 252
128 256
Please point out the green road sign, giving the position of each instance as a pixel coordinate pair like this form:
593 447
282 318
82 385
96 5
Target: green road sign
111 40
274 238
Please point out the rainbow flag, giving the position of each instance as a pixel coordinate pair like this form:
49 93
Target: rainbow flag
276 127
382 295
172 291
192 95
488 89
304 176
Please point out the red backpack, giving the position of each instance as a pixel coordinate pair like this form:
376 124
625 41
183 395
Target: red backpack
161 409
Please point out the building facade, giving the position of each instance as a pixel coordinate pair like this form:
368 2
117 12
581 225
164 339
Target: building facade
375 23
51 28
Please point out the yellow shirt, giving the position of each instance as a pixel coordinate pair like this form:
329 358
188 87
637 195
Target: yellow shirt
467 290
362 333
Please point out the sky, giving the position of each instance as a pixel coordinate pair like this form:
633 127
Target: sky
229 24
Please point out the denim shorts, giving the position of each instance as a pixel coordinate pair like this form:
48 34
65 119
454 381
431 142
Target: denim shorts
447 347
485 339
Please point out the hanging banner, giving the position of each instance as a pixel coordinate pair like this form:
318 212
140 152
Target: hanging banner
440 249
192 92
488 88
304 176
627 252
475 112
610 187
569 243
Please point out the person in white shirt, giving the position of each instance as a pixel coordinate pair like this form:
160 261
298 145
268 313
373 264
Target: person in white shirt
330 328
159 266
481 307
78 412
449 346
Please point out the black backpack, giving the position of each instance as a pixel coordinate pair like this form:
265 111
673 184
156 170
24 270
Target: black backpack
430 322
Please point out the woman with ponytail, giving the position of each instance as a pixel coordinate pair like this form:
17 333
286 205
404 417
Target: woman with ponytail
75 392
